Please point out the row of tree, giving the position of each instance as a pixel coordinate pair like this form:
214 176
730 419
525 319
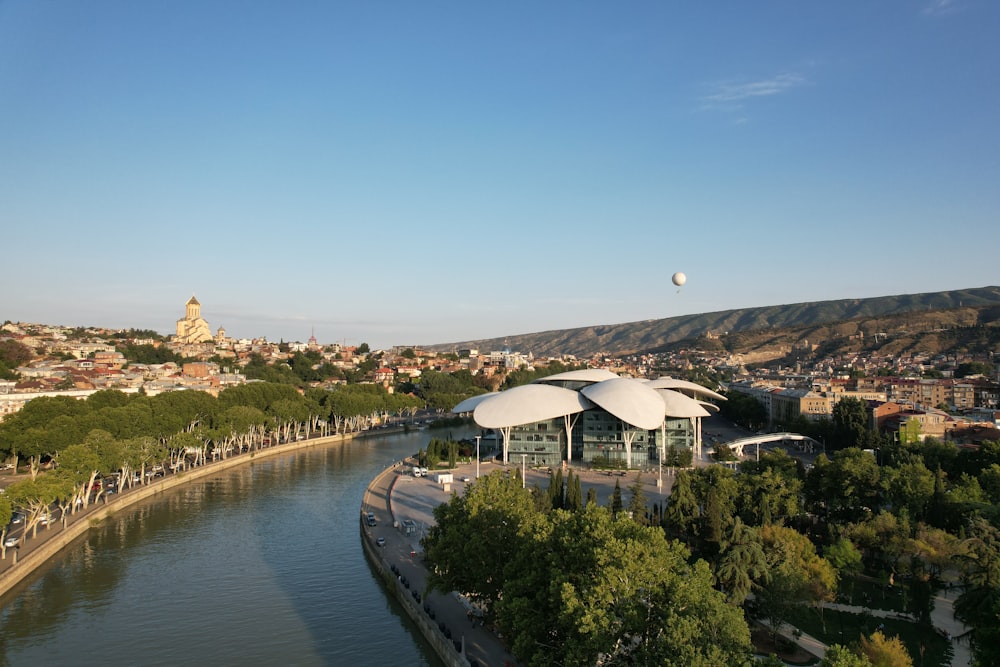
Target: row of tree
135 437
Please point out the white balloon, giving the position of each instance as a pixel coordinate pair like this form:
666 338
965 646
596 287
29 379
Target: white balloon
679 278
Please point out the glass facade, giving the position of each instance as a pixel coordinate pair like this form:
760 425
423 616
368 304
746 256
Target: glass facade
596 434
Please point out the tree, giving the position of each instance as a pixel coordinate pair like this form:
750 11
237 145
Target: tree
979 605
883 651
6 513
716 490
81 465
596 589
556 489
637 500
768 497
745 410
616 499
846 486
683 510
850 423
14 353
741 563
37 496
476 535
909 487
798 574
838 655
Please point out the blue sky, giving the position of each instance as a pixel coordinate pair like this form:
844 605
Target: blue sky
407 173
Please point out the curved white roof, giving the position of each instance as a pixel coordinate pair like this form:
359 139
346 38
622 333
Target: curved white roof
677 404
527 404
674 383
633 402
583 375
711 407
469 404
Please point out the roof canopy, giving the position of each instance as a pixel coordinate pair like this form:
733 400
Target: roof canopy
469 404
633 402
684 385
677 404
642 404
527 404
584 375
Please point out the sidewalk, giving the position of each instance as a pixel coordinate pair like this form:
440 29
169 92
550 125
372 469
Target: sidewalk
395 498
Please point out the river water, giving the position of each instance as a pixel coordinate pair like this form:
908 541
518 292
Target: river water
258 565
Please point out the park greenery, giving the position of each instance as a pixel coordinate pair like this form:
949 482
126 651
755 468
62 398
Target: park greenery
571 583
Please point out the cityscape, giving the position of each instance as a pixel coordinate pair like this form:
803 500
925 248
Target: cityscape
819 422
563 334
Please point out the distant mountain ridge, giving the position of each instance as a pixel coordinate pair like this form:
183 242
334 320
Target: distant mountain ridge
650 335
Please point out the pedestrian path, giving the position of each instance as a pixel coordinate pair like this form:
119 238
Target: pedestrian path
942 618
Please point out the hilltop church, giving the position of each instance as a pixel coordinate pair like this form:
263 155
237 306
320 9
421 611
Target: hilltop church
192 328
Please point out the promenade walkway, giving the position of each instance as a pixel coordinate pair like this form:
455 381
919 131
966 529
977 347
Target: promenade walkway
942 618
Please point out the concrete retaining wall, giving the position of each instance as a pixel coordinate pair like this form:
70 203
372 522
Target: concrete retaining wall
428 628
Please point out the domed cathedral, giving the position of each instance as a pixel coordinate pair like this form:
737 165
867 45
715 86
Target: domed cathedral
192 328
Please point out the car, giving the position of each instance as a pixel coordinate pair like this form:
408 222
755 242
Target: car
466 479
44 520
17 518
380 541
11 541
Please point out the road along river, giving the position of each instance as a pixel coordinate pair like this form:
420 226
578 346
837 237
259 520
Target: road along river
255 565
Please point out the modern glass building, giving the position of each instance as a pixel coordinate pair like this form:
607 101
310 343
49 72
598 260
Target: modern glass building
594 416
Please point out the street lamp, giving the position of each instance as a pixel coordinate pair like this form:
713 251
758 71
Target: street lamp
477 455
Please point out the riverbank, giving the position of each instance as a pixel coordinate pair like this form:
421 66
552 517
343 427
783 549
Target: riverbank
393 551
36 552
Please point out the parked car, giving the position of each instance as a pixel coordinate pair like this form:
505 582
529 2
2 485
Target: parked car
11 541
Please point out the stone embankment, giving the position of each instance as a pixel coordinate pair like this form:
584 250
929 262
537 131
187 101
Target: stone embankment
378 497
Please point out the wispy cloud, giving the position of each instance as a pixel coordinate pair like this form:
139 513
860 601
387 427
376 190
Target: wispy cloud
940 7
730 92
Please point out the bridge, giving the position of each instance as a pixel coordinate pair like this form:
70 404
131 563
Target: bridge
738 446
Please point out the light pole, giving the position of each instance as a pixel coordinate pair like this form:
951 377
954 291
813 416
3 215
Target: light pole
477 456
659 456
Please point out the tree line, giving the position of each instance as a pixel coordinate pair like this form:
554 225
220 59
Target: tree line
135 437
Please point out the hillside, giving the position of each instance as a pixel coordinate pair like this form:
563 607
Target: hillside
917 313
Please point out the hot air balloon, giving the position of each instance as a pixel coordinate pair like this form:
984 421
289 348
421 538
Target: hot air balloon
679 279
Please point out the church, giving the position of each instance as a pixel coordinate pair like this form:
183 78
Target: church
192 328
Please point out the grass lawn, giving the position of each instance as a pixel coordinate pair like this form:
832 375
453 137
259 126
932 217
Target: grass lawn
845 628
868 593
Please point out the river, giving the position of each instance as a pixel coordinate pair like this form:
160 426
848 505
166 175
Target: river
258 565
